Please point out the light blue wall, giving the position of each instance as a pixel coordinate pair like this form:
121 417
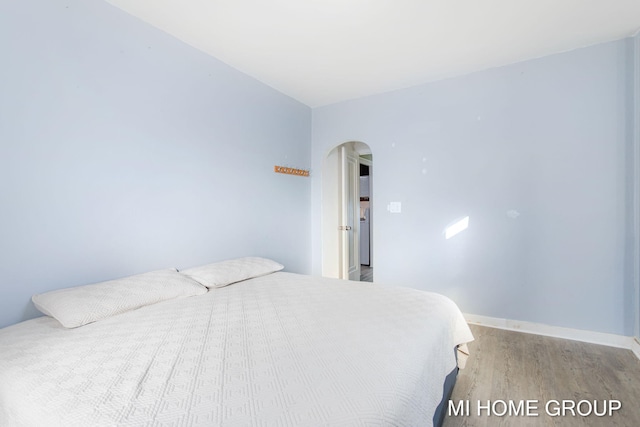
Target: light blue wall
632 188
123 150
634 129
546 138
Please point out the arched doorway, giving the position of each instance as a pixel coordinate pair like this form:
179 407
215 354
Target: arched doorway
346 211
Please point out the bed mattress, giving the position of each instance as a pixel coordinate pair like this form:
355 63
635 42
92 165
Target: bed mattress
278 350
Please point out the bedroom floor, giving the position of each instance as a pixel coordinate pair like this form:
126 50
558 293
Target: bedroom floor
366 273
507 365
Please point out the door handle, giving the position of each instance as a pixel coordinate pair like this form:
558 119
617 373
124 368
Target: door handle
344 228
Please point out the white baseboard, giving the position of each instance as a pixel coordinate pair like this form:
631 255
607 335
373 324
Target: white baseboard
635 346
601 338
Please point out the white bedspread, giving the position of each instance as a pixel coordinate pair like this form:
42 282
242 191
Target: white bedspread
278 350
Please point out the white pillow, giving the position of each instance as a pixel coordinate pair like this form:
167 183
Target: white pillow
224 273
77 306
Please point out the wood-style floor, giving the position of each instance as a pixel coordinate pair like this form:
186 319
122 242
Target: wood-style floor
507 365
366 273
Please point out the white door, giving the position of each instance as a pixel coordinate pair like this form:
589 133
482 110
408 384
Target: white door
349 213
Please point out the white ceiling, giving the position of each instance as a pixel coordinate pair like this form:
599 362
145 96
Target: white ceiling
324 51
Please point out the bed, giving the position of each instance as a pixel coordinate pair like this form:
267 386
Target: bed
279 349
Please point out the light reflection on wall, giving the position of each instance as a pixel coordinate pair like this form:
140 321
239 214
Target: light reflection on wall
456 227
